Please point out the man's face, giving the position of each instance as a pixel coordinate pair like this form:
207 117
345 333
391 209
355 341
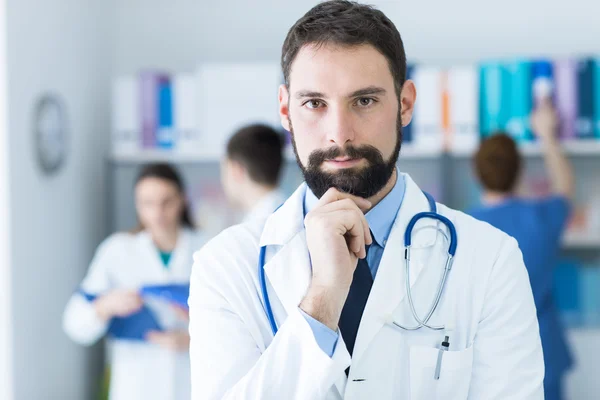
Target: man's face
344 116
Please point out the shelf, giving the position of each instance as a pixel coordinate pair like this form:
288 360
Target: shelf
408 151
413 152
580 241
150 156
533 149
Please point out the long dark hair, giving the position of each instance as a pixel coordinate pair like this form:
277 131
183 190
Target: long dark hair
170 174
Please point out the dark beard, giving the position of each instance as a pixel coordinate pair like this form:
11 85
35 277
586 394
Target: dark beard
363 182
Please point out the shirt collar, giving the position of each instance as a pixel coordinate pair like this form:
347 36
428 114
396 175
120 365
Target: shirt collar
381 217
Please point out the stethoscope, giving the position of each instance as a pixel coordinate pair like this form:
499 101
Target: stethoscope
421 322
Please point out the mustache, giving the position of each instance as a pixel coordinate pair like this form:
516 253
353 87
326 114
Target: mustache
368 152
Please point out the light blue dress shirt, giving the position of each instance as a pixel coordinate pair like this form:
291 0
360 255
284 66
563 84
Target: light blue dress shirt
380 219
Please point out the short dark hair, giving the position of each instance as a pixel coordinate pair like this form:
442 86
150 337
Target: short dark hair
259 148
346 23
498 163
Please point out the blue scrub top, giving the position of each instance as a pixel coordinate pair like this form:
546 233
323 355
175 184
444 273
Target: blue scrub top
538 225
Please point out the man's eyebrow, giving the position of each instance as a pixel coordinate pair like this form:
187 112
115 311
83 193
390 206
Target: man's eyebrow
309 93
371 90
368 91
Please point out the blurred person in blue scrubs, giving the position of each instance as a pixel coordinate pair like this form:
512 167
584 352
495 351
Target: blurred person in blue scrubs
251 169
536 224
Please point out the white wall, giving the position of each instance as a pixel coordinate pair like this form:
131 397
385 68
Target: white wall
177 34
59 46
5 292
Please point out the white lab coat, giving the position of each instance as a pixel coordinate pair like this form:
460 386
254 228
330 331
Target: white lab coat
138 370
495 349
265 206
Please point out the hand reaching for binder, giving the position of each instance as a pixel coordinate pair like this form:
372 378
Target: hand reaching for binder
544 120
118 303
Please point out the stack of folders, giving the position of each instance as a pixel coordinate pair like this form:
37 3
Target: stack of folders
511 90
456 106
191 113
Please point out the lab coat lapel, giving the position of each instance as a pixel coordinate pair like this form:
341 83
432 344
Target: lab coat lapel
153 270
389 287
287 262
287 265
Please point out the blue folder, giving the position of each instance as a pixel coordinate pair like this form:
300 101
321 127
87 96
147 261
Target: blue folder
176 294
133 327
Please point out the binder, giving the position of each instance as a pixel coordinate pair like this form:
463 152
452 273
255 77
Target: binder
150 82
565 96
427 119
125 116
589 295
584 125
463 91
520 101
542 81
165 134
175 294
133 327
597 98
494 98
185 122
233 95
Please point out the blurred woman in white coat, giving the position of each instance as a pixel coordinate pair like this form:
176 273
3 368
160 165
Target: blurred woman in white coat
154 365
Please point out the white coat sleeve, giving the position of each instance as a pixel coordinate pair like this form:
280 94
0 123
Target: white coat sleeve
508 360
226 358
80 320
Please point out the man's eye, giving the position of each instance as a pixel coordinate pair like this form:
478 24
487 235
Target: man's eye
365 101
314 104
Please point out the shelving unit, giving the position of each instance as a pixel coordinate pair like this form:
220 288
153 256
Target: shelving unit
533 149
579 148
581 242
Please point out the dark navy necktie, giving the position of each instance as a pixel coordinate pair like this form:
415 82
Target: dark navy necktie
355 303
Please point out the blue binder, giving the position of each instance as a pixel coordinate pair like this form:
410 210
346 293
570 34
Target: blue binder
176 294
520 100
584 126
494 97
597 98
133 327
165 132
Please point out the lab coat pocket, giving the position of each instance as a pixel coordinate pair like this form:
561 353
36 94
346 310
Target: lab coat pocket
455 373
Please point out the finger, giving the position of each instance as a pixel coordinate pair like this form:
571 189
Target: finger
133 303
155 336
545 102
333 195
182 313
164 339
351 225
349 205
